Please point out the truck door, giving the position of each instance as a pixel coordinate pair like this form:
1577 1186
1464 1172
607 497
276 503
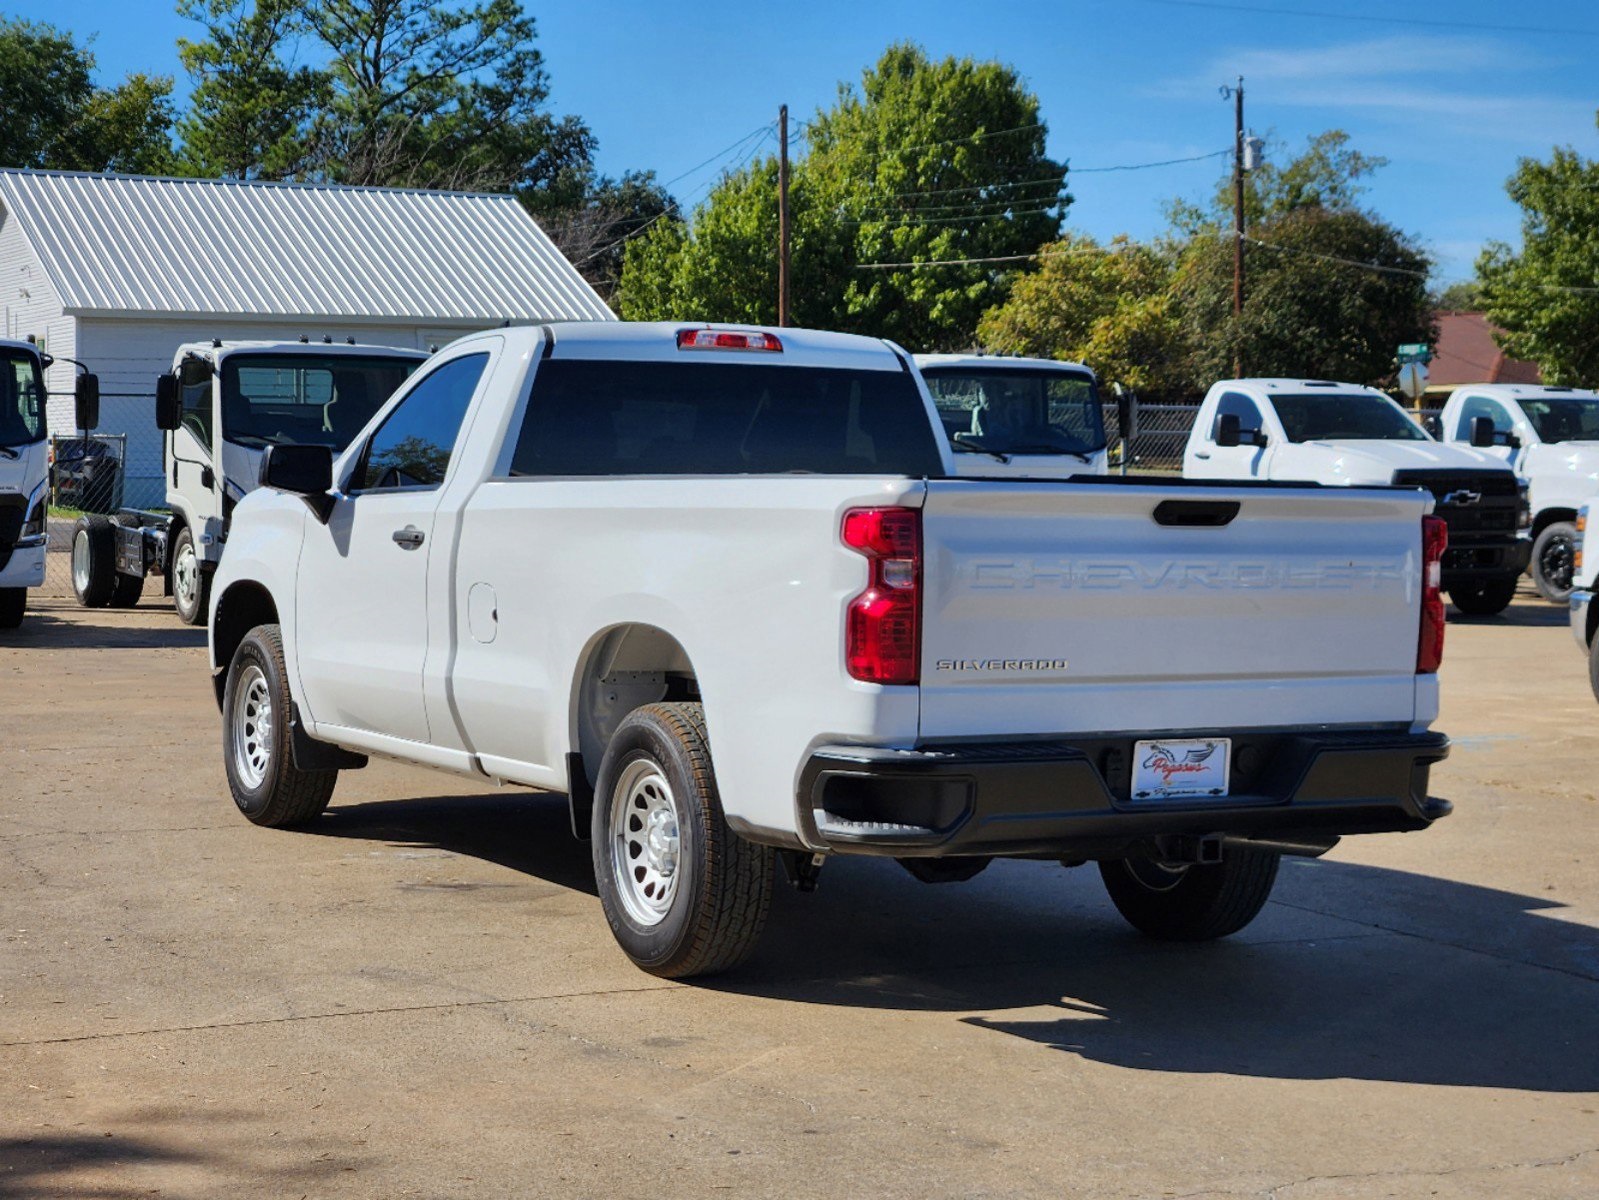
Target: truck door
361 600
191 477
1244 461
1504 425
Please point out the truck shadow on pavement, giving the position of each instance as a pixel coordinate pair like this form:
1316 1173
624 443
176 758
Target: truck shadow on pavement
44 630
526 832
1352 971
1531 613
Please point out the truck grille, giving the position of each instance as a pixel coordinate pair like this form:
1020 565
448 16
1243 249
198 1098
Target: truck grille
1470 502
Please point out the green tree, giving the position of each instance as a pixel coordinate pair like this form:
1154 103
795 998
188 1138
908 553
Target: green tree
250 112
924 162
1109 306
593 228
1330 288
1464 295
438 93
57 118
1544 297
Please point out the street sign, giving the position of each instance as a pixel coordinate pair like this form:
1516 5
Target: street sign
1414 352
1412 379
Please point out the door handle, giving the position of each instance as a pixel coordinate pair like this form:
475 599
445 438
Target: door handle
410 537
1201 453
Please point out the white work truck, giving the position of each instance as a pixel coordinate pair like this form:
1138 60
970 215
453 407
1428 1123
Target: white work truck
25 469
1550 437
1017 418
219 408
1343 434
721 588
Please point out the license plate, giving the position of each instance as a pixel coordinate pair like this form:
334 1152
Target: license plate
1165 769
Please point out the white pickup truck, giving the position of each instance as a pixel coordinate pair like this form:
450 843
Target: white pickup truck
1017 418
25 469
1550 437
1343 434
719 586
219 408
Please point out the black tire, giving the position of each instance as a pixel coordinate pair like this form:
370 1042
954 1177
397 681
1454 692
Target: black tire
1553 559
1484 597
1593 667
720 885
1195 903
13 603
127 591
193 604
94 561
273 791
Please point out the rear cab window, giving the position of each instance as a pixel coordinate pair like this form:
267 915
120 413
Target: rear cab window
588 417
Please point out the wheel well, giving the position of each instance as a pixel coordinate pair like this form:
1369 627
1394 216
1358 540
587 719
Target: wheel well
240 609
1549 516
626 667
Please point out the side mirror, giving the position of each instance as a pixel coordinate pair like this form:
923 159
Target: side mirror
1512 441
1482 432
1227 430
304 471
1126 413
86 401
168 403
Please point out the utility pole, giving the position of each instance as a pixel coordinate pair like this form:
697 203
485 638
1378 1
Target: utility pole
782 215
1238 220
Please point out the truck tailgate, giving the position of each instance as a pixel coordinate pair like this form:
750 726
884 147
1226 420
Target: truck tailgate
1086 607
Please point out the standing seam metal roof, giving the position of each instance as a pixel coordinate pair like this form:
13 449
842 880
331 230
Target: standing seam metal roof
144 246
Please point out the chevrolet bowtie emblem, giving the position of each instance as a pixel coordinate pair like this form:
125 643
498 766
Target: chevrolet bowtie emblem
1463 497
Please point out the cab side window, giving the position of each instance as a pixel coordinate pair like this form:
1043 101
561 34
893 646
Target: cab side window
1245 409
194 388
412 447
1481 406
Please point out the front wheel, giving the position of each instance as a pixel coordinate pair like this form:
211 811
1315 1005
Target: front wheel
1554 559
684 894
190 584
256 751
1484 597
13 603
1194 902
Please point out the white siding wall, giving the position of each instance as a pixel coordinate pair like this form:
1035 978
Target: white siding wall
29 304
129 353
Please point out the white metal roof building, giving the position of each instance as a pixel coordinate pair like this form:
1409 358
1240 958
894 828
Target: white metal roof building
119 270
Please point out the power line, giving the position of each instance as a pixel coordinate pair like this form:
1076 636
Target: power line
1114 248
1423 22
969 217
1169 162
720 154
1333 258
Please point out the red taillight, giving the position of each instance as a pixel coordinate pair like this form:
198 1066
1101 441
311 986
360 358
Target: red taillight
1430 647
726 339
882 627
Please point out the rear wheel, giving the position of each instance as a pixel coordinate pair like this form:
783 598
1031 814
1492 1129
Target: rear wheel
1194 902
684 894
13 603
1484 597
1554 558
190 585
94 561
127 591
1593 666
256 739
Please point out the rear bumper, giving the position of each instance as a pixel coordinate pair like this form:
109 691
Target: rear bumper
1070 798
1580 601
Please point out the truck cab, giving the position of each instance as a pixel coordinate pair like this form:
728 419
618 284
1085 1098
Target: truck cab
1022 418
1550 437
25 469
1343 434
220 407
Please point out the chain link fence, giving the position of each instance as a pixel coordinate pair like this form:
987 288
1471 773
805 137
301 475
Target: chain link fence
117 465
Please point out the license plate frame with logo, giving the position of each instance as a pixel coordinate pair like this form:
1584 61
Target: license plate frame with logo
1181 769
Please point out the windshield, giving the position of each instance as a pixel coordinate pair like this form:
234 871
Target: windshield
1010 410
22 418
1566 419
1344 417
306 399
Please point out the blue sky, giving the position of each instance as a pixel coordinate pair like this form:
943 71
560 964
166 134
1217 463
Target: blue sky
1450 105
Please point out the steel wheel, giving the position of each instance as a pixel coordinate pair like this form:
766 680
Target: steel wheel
646 845
251 735
1556 563
186 577
80 561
